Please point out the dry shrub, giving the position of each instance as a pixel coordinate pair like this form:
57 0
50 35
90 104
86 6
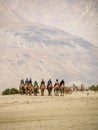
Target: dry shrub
68 90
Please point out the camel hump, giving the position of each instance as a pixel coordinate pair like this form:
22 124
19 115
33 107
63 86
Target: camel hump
43 86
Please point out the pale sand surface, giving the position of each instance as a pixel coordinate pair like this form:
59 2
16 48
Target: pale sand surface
77 111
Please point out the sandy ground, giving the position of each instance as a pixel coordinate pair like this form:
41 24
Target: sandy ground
77 111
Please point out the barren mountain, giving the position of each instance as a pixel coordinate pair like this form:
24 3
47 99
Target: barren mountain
79 17
48 39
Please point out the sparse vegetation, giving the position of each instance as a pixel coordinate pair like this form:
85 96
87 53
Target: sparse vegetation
82 88
68 90
93 88
10 91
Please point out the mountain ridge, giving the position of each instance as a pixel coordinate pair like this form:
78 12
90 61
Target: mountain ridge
45 52
48 39
76 17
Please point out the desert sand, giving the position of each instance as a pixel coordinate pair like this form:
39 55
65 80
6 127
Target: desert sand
76 111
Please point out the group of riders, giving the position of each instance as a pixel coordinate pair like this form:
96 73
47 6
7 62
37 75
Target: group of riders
27 87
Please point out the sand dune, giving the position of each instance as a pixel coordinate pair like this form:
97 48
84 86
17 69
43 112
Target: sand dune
76 111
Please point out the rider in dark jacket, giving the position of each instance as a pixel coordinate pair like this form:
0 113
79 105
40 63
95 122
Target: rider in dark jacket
22 81
42 82
30 81
62 82
26 81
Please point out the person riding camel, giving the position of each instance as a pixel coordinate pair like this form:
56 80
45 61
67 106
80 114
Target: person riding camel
30 81
36 87
57 82
26 81
35 83
42 82
62 82
22 81
42 85
49 82
49 87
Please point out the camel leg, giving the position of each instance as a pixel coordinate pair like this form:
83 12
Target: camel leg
48 92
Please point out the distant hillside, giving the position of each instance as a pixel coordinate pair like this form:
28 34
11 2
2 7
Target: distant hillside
40 51
79 17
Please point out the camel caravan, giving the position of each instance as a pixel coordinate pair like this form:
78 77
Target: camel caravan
59 88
